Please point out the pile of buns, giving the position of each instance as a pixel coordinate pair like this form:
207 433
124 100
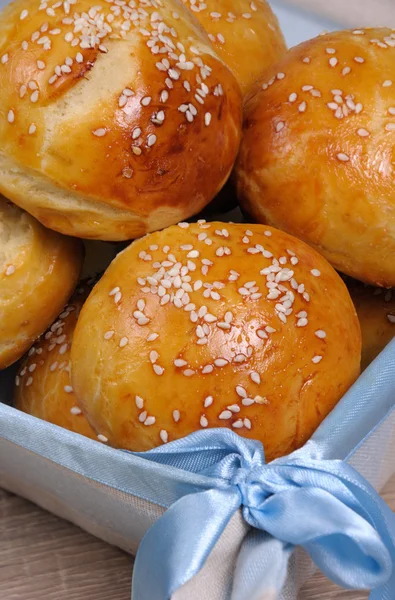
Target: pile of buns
129 123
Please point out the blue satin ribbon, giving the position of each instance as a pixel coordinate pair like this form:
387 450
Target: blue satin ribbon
325 506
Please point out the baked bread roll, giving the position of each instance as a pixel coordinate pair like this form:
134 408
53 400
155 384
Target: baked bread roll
38 272
245 34
376 312
317 158
43 385
215 325
117 119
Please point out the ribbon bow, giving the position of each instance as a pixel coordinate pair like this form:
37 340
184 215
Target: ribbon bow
325 506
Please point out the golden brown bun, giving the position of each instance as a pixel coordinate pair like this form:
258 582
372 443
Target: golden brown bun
38 272
43 385
318 153
146 370
116 145
245 34
376 313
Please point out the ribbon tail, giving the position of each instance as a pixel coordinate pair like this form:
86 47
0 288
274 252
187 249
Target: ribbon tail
261 569
178 544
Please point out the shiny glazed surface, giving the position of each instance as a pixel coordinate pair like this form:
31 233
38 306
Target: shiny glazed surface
317 158
215 325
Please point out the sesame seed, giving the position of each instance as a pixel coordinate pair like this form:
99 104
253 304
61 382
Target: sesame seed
387 83
4 59
203 421
63 348
11 116
306 60
346 71
151 139
208 401
41 65
68 389
302 322
315 272
330 51
391 318
333 61
176 415
23 14
29 381
302 107
247 423
225 414
280 126
221 362
316 359
320 334
139 402
164 436
255 377
343 157
390 127
146 100
10 270
207 119
158 370
149 421
293 97
99 132
363 132
75 410
359 59
102 438
123 342
143 416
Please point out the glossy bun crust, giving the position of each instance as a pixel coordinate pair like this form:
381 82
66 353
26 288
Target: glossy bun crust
245 34
116 120
376 312
43 385
215 325
38 272
318 152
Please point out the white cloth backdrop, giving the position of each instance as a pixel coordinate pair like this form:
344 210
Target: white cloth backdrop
354 13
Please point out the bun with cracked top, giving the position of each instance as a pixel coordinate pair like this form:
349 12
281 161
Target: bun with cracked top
118 118
38 272
318 151
43 384
244 33
215 325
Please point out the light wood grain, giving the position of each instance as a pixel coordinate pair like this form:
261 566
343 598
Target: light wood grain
43 557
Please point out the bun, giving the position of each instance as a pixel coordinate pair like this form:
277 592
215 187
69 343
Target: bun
245 34
118 120
317 158
38 272
376 312
43 385
184 332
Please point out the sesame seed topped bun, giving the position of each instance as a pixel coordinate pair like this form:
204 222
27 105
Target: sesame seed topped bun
376 312
215 325
39 270
244 33
43 385
318 153
116 118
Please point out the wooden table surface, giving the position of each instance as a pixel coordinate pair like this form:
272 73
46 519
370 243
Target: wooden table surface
43 557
